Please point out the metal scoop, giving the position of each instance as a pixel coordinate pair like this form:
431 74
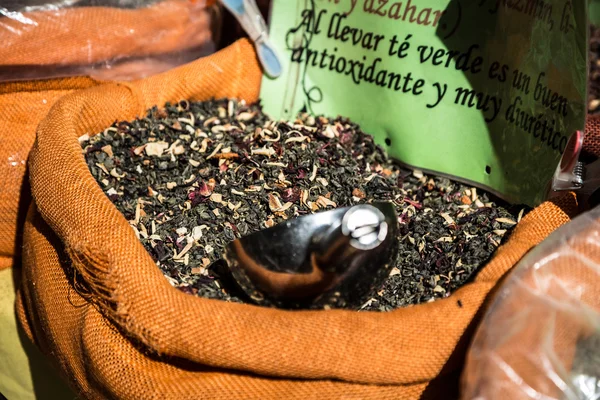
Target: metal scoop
334 258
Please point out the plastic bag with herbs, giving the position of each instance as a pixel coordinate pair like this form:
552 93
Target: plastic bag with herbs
540 337
106 39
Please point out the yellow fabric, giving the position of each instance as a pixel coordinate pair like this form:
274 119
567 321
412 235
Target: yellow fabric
24 373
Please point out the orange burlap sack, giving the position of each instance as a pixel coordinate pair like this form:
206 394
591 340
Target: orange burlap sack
526 346
106 42
23 106
94 301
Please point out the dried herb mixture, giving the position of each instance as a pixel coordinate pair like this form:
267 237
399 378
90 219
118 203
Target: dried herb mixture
191 177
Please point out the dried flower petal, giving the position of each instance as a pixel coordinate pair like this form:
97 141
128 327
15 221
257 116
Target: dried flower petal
108 150
264 151
330 132
506 221
325 202
216 197
196 232
156 148
358 193
448 218
274 203
245 116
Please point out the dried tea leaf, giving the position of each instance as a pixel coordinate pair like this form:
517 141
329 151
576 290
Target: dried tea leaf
196 232
234 207
430 185
156 149
183 252
448 218
274 203
296 139
322 181
203 146
108 150
269 223
216 197
264 151
113 172
84 138
215 151
245 116
356 192
506 221
313 175
330 132
304 196
178 150
520 215
103 168
285 207
324 202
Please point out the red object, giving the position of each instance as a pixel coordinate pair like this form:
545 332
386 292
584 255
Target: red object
571 153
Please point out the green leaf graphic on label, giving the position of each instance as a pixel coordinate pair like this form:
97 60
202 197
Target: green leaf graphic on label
486 91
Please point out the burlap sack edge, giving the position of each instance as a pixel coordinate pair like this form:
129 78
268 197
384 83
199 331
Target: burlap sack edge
14 197
128 288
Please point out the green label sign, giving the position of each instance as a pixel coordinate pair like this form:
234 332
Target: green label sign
485 91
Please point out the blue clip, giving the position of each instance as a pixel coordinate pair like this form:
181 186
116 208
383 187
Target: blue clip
250 18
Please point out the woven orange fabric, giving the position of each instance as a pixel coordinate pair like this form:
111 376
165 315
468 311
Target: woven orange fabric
80 37
23 106
591 140
93 299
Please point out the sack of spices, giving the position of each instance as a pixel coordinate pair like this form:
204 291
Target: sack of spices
540 337
93 299
104 39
